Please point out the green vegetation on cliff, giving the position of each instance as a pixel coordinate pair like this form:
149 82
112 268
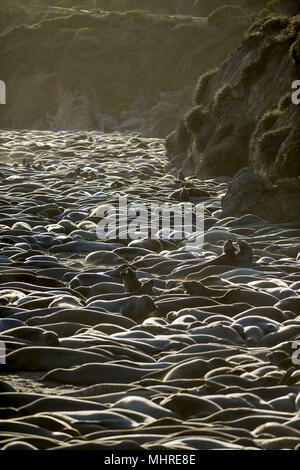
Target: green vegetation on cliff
242 126
195 119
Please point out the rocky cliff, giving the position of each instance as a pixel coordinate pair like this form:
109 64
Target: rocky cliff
105 71
244 123
243 112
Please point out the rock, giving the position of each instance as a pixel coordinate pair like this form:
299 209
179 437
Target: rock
250 193
288 193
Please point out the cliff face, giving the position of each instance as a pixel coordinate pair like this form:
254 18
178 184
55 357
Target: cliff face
185 7
242 112
110 71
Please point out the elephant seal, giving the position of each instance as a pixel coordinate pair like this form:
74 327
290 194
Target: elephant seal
37 335
104 288
136 307
271 313
276 430
85 316
196 368
29 278
9 296
64 329
89 374
99 258
19 445
231 295
50 404
129 253
221 331
291 304
198 288
249 296
37 358
130 281
232 257
92 277
169 305
229 248
65 301
150 244
23 427
225 259
145 406
10 323
284 333
253 335
228 258
6 387
187 405
146 288
245 254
